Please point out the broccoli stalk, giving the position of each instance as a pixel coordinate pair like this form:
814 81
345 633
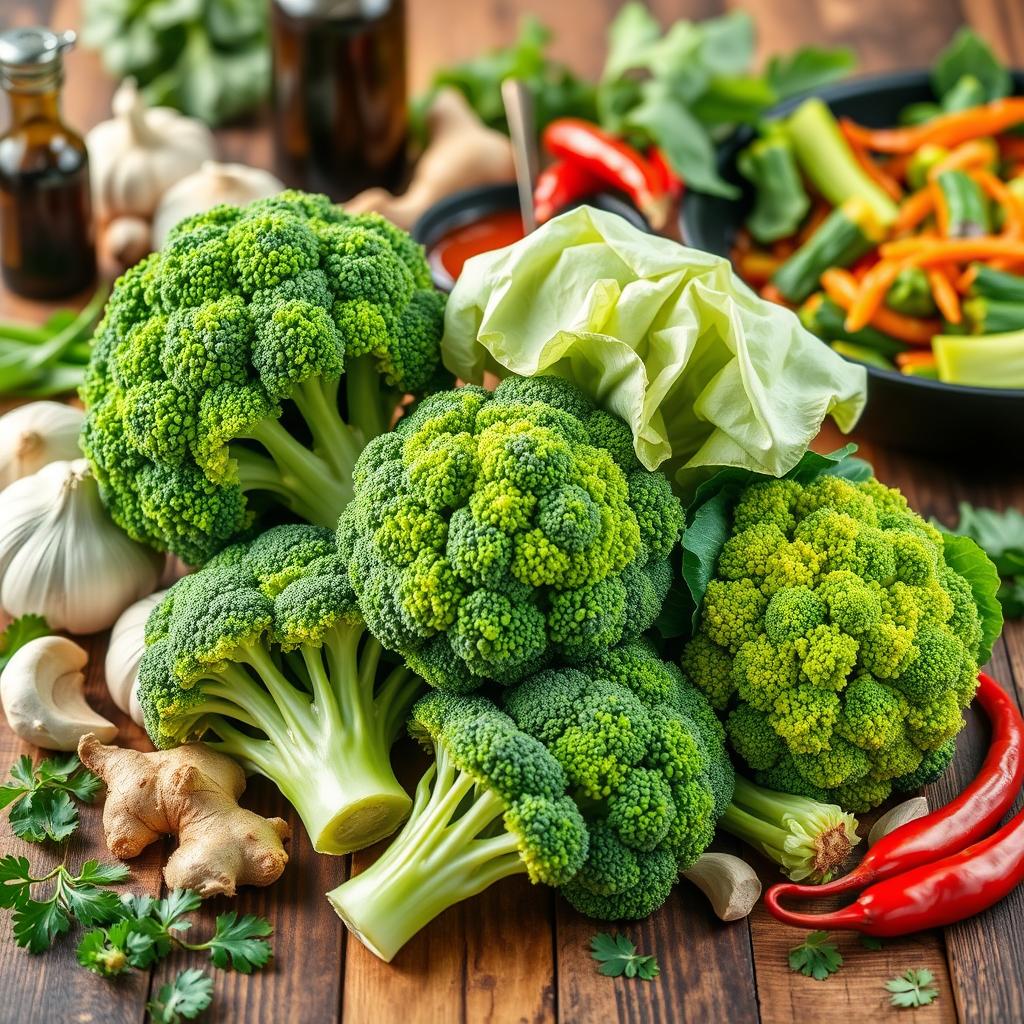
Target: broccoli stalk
809 840
492 805
264 651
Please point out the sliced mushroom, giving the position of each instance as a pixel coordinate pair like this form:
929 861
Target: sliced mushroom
42 693
730 884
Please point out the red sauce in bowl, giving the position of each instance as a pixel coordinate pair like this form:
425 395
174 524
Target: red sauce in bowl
492 231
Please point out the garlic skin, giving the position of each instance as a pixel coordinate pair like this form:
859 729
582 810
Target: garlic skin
62 556
36 434
126 240
124 652
140 152
212 184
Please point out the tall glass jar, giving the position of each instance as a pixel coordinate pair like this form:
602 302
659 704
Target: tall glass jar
46 230
340 109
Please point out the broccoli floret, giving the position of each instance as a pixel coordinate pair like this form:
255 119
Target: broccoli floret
492 805
835 640
494 532
644 757
240 371
264 652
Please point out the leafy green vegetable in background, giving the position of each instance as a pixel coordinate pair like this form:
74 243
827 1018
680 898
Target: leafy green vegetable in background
913 988
781 201
683 88
19 632
40 798
209 58
815 957
1001 534
617 956
184 998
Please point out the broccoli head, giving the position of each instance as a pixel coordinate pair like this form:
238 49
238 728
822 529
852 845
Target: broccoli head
264 652
242 369
645 760
836 642
492 532
491 805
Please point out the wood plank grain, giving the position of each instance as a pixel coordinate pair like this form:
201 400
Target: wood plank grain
1001 24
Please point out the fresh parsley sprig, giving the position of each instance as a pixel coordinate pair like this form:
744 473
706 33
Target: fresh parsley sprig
815 957
617 956
19 632
913 988
40 798
184 998
37 922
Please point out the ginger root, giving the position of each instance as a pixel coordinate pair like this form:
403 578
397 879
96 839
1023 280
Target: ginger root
191 791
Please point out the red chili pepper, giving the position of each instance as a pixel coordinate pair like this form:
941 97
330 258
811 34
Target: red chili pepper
615 162
560 185
670 182
939 892
971 815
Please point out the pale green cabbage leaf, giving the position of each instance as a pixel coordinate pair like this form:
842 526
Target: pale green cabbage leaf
705 372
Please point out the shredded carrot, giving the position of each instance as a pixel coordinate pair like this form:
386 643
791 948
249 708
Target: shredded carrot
841 287
757 268
966 279
944 294
919 358
871 294
783 248
947 130
973 153
897 166
772 294
941 209
914 209
929 251
878 174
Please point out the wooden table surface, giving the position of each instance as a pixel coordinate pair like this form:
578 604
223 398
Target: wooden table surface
517 953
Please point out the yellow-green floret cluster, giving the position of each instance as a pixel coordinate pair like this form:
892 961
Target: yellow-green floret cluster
836 642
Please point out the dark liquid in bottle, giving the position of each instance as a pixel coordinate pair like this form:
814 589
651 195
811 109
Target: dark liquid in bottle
339 99
46 239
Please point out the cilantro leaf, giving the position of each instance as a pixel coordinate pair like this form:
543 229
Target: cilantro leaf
19 632
41 807
913 988
90 904
44 814
870 942
174 906
37 924
815 957
102 954
184 998
617 956
95 873
15 881
240 942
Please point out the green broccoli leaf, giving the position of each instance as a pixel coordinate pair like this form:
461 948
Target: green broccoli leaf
967 558
19 632
617 957
815 957
913 988
184 998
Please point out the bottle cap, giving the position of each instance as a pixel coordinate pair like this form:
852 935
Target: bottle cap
32 57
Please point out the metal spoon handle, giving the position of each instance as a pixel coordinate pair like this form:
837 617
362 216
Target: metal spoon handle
519 111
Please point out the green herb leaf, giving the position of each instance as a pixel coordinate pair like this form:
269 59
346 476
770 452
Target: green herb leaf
37 924
42 807
184 998
617 956
969 54
870 942
815 957
913 988
100 953
174 906
240 942
808 68
45 814
18 633
15 881
95 873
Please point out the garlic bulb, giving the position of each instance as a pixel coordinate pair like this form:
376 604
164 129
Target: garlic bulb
33 435
62 556
124 652
140 152
212 184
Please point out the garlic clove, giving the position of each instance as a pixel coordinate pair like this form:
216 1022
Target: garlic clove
42 693
909 810
33 435
125 241
730 884
124 653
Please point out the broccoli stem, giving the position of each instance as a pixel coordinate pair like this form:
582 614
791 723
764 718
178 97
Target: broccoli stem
452 847
807 839
327 731
333 440
370 403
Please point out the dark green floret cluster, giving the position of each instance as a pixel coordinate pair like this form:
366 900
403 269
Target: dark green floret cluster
644 756
837 643
264 653
241 370
492 532
491 805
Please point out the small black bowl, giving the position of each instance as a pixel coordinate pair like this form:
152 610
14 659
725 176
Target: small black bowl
908 412
471 204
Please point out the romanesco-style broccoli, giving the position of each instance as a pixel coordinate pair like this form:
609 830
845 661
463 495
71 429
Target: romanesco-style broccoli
243 368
